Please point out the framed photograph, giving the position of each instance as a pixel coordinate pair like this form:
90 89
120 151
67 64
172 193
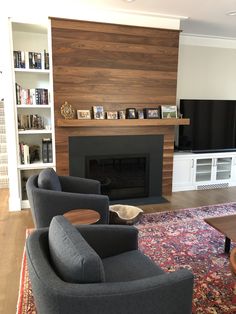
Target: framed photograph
83 114
131 113
152 113
122 114
168 111
98 112
140 114
112 115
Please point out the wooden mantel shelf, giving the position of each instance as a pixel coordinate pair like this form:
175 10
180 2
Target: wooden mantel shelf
63 123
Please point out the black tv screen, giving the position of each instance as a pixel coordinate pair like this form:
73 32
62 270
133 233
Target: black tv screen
212 125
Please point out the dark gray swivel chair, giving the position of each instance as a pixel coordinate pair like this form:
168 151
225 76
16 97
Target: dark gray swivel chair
50 195
98 269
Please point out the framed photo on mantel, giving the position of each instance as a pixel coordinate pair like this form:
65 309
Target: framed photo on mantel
98 112
152 113
131 113
112 115
168 111
83 114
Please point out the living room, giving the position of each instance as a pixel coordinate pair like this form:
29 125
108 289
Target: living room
206 70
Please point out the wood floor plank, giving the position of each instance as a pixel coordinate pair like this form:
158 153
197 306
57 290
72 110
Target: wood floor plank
13 227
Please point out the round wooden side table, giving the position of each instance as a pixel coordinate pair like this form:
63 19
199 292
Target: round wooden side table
82 216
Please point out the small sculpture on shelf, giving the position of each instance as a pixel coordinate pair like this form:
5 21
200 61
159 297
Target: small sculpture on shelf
67 111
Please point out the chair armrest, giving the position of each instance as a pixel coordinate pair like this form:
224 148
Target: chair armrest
109 240
48 204
80 185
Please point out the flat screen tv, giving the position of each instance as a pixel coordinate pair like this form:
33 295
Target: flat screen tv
212 125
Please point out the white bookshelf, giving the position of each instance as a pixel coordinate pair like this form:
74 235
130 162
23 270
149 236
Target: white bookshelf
39 118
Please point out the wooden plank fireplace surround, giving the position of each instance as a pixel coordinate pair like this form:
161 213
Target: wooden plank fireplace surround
67 128
119 67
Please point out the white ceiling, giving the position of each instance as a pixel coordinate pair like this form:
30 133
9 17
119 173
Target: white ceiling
205 17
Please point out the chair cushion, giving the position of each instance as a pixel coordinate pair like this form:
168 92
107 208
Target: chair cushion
48 179
132 265
73 258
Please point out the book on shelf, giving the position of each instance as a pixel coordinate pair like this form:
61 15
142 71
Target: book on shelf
31 96
19 59
47 155
28 153
34 153
30 122
35 60
31 60
41 96
24 154
46 60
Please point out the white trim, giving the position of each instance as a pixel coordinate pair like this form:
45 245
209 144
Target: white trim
93 14
14 203
148 14
51 94
36 165
126 18
207 41
25 204
32 132
9 101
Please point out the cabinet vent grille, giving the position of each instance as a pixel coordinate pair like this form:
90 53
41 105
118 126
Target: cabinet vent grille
212 186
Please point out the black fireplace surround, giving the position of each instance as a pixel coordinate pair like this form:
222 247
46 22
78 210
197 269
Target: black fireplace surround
128 166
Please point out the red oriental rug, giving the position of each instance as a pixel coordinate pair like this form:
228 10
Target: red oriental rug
175 240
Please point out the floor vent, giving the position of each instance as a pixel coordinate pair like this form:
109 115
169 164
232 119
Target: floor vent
212 186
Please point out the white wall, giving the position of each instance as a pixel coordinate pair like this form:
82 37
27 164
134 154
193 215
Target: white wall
207 68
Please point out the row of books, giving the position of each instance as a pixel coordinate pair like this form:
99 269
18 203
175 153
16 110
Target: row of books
31 153
31 60
47 150
31 96
30 121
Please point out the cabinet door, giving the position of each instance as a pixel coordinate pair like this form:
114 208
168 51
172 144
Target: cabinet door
183 170
233 172
204 170
223 168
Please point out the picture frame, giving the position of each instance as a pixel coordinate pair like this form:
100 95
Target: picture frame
140 114
169 111
84 114
131 113
152 113
112 115
98 112
122 114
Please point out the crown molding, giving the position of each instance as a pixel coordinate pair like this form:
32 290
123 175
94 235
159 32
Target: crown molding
207 41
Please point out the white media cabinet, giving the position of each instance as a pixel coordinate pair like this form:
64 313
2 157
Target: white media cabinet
203 171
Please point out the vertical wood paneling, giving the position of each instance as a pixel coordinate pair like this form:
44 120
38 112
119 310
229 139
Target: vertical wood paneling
118 67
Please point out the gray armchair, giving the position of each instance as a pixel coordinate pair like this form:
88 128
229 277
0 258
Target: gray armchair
50 195
98 269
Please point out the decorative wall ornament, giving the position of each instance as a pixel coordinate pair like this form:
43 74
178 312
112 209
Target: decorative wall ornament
67 111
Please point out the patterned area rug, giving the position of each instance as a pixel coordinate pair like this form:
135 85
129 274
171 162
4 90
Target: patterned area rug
175 240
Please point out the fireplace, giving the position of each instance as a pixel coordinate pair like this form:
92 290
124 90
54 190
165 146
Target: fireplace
121 176
128 167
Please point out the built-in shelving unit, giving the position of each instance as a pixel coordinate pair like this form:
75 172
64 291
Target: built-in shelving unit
34 109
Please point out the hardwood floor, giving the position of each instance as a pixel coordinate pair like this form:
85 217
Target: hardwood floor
12 237
14 224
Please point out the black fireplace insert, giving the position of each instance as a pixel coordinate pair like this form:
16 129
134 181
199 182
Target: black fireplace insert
128 166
